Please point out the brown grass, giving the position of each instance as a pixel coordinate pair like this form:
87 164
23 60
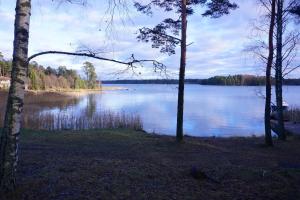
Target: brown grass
66 121
124 164
75 92
294 115
33 118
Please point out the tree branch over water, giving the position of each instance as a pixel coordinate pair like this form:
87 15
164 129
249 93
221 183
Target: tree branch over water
131 64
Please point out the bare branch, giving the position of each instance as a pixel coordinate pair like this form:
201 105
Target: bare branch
93 55
131 64
291 70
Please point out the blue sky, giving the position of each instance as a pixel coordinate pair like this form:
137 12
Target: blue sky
217 49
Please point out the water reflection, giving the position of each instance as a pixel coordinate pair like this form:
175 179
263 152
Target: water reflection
91 105
209 110
36 104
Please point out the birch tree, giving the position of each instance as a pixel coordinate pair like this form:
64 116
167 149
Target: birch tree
11 129
268 132
278 70
286 39
286 46
12 123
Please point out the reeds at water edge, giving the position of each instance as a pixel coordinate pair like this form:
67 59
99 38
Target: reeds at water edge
293 114
70 121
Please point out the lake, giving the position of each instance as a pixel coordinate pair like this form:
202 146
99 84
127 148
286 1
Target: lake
220 111
209 110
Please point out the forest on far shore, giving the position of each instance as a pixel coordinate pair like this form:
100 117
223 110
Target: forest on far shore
41 78
234 80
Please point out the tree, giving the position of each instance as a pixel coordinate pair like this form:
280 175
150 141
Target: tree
90 73
5 66
285 50
62 71
278 70
268 132
295 9
180 104
282 20
284 12
15 101
50 71
1 64
11 129
161 38
33 76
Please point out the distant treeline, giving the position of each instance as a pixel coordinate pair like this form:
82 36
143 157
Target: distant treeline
41 78
5 66
235 80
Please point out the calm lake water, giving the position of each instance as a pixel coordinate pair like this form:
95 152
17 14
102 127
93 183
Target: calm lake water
209 110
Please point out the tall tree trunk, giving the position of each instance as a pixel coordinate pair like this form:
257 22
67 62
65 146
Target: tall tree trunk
278 71
12 123
180 104
268 132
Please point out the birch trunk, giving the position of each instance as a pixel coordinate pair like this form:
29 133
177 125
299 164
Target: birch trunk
12 123
180 105
278 71
268 132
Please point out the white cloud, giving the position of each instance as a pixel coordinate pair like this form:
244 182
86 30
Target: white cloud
217 43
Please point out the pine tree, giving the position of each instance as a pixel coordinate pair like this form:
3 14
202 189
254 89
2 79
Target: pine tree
165 35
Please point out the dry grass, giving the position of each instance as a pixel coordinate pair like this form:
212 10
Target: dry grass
124 164
66 121
34 118
294 115
74 92
45 100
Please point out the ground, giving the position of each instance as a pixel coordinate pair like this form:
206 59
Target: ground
124 164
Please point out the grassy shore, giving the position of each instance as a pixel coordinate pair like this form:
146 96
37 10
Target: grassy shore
125 164
69 92
76 92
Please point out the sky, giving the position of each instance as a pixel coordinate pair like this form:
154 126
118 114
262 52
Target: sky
217 45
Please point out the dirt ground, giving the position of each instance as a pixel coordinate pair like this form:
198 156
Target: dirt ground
123 164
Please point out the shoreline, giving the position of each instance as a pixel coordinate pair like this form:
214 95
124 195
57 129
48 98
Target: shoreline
75 92
69 92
